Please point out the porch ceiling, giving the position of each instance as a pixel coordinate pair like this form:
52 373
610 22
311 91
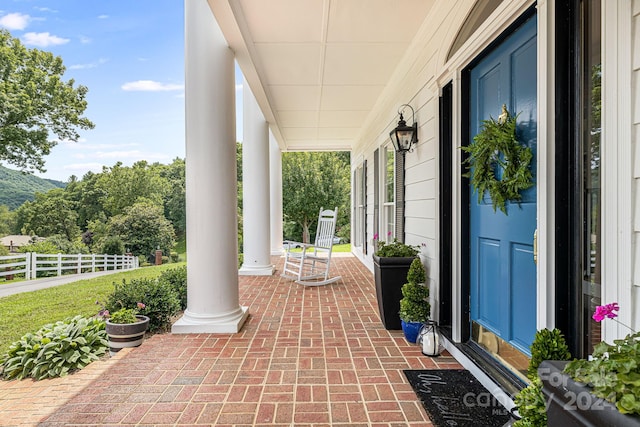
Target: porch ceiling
318 67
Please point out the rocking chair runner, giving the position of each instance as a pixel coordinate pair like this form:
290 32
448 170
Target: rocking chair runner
310 267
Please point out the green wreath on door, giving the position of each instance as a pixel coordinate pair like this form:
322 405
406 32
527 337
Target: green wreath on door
496 146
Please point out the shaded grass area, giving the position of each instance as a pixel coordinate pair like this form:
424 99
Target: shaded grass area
181 247
29 311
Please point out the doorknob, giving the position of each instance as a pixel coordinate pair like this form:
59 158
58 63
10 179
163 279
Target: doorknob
535 247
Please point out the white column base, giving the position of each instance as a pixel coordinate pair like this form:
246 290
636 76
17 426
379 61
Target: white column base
256 270
229 323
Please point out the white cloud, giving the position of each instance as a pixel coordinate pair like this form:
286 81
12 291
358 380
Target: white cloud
103 16
45 9
42 39
89 65
150 86
14 21
69 142
98 147
94 167
132 154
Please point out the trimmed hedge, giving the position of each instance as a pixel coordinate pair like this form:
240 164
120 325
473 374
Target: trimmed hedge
177 278
160 299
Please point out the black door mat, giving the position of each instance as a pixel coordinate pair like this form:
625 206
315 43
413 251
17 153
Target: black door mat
453 397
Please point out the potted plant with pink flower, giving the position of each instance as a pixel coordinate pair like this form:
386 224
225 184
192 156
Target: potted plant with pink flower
125 327
601 390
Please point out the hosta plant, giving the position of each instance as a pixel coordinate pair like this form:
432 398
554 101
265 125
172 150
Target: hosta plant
56 349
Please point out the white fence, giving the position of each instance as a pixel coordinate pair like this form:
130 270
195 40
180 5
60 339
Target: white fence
31 263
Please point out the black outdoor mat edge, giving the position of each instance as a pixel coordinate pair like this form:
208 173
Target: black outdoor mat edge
454 397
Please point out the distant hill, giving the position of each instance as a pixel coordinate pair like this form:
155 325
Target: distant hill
17 187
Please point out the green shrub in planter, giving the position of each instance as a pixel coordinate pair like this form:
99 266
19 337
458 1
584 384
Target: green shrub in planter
160 299
531 406
56 349
177 278
547 345
613 372
395 249
416 273
414 307
175 257
124 315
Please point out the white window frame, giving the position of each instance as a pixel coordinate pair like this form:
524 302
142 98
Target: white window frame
388 217
359 204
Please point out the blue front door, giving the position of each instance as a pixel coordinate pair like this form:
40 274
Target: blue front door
502 268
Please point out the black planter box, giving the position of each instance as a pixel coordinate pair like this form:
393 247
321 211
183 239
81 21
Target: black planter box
390 274
570 403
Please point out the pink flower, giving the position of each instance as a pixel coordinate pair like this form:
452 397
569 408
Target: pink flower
388 233
141 305
606 311
375 236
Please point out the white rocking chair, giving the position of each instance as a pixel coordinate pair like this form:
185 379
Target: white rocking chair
310 267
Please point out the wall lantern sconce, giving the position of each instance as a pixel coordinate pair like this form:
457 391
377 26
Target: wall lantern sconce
404 137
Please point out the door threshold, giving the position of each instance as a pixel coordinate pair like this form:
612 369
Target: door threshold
497 379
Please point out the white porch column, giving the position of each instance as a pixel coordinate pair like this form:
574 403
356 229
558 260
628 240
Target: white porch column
212 241
255 189
275 173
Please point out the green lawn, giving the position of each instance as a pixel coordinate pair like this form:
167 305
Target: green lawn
345 247
29 311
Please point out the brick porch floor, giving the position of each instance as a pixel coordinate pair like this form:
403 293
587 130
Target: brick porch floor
306 357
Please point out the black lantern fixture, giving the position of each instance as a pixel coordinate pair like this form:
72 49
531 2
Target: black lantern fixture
404 137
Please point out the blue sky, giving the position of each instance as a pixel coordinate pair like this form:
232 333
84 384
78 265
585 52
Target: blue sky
130 54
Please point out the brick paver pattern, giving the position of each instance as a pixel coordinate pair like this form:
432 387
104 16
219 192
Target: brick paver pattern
307 356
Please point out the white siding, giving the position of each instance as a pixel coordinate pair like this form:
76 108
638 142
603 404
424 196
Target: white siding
635 135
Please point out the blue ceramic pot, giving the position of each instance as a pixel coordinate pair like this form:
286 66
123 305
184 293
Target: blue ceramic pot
411 330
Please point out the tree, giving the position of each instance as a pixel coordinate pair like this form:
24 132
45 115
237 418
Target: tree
65 246
239 194
113 245
175 209
123 186
34 102
311 181
7 221
143 228
89 198
48 214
